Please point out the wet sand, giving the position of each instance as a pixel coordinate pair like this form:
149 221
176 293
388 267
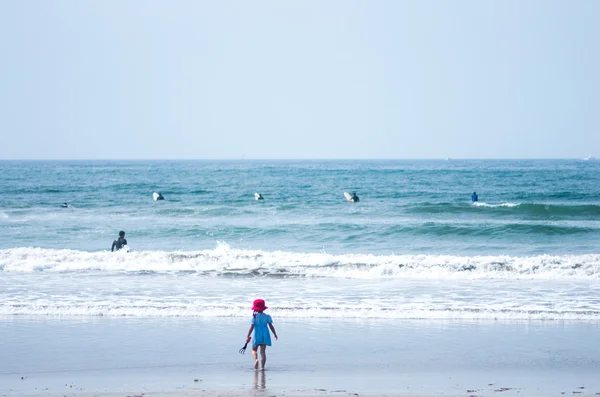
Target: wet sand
199 357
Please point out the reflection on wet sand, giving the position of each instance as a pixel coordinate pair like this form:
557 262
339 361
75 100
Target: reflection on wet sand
263 382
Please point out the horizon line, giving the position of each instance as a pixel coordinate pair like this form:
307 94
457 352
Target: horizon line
301 159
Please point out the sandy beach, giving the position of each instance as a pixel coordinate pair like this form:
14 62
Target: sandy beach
193 357
234 393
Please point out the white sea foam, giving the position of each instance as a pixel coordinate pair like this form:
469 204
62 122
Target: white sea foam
222 282
429 311
482 204
227 261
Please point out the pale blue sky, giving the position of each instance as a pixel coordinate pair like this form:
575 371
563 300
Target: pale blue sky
306 79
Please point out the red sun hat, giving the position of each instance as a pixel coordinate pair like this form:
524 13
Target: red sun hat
259 305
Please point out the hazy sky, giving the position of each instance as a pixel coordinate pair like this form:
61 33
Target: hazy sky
305 79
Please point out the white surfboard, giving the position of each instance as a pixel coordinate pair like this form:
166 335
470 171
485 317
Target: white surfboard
157 196
258 196
348 197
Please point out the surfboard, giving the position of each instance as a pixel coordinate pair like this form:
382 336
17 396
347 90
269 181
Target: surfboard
258 196
157 196
348 197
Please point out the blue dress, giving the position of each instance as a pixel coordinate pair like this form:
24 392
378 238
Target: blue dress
261 329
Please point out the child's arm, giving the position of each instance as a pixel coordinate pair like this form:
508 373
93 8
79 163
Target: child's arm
249 333
273 331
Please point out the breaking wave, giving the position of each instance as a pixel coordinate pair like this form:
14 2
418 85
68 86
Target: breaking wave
230 262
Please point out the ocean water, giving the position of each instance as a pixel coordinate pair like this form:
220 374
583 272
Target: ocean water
414 247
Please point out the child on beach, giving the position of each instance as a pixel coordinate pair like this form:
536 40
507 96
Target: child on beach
261 323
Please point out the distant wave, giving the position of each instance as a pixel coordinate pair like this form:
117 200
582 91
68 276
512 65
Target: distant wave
491 230
229 262
550 209
531 209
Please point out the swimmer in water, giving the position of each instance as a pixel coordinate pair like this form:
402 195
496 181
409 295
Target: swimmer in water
119 242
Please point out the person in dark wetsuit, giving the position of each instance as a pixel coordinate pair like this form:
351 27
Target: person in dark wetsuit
120 242
354 198
474 197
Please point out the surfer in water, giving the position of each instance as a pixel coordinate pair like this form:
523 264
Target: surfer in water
119 242
474 197
354 198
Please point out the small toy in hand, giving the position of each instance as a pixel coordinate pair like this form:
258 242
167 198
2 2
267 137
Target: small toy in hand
243 349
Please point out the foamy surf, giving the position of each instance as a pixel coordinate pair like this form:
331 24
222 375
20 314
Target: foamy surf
123 310
222 282
508 205
225 261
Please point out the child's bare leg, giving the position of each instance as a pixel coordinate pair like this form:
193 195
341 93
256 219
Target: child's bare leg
263 356
255 355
